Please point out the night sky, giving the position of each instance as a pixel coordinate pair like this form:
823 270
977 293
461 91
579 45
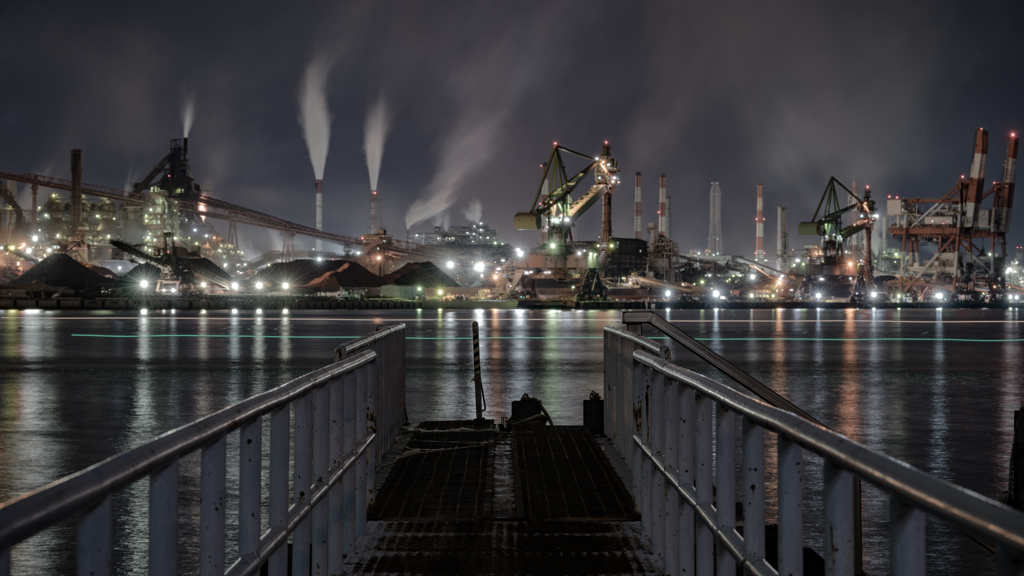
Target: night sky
781 93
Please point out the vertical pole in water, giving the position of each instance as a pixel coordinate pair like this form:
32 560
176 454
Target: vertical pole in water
478 385
1016 499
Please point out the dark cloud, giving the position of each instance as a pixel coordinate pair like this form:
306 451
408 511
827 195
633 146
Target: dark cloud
781 93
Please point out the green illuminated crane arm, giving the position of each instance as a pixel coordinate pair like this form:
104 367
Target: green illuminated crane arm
829 224
586 201
562 184
558 209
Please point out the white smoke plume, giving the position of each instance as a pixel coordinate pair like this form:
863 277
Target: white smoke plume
442 220
474 211
378 124
468 147
313 114
188 112
130 178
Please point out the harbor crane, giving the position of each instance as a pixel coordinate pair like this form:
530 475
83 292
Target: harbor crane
831 277
553 205
830 227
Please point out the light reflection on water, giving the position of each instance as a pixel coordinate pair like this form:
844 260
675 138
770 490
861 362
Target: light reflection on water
899 381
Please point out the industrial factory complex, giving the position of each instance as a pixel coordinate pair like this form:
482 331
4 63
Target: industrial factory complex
169 240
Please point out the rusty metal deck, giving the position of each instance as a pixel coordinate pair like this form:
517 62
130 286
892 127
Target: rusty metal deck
463 498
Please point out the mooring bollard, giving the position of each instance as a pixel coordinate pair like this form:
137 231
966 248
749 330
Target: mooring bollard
478 384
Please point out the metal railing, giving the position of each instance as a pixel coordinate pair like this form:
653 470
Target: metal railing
619 346
337 410
636 321
389 344
756 387
685 426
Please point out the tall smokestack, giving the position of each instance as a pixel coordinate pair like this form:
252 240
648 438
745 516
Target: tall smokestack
715 233
76 190
638 213
759 254
319 212
781 238
662 209
376 223
1004 197
976 185
668 217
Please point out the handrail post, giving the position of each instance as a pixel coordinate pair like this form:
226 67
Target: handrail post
250 464
858 529
321 464
336 497
303 470
725 483
95 536
838 545
705 562
213 503
685 470
348 481
673 510
361 463
646 466
753 491
163 521
907 553
280 420
656 441
637 455
791 503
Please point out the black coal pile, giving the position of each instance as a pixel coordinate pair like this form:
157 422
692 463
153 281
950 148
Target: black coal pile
421 274
144 271
205 267
346 275
297 272
105 272
61 271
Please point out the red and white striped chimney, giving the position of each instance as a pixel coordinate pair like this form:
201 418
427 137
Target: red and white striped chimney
976 186
662 210
638 213
759 254
1004 198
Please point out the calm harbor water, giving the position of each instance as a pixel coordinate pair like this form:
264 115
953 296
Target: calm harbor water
934 388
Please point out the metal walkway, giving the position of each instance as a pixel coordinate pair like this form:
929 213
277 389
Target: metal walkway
464 498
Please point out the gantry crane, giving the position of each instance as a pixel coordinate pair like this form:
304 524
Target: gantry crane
825 277
829 226
553 205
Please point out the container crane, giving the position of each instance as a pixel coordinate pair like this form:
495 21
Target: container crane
557 209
